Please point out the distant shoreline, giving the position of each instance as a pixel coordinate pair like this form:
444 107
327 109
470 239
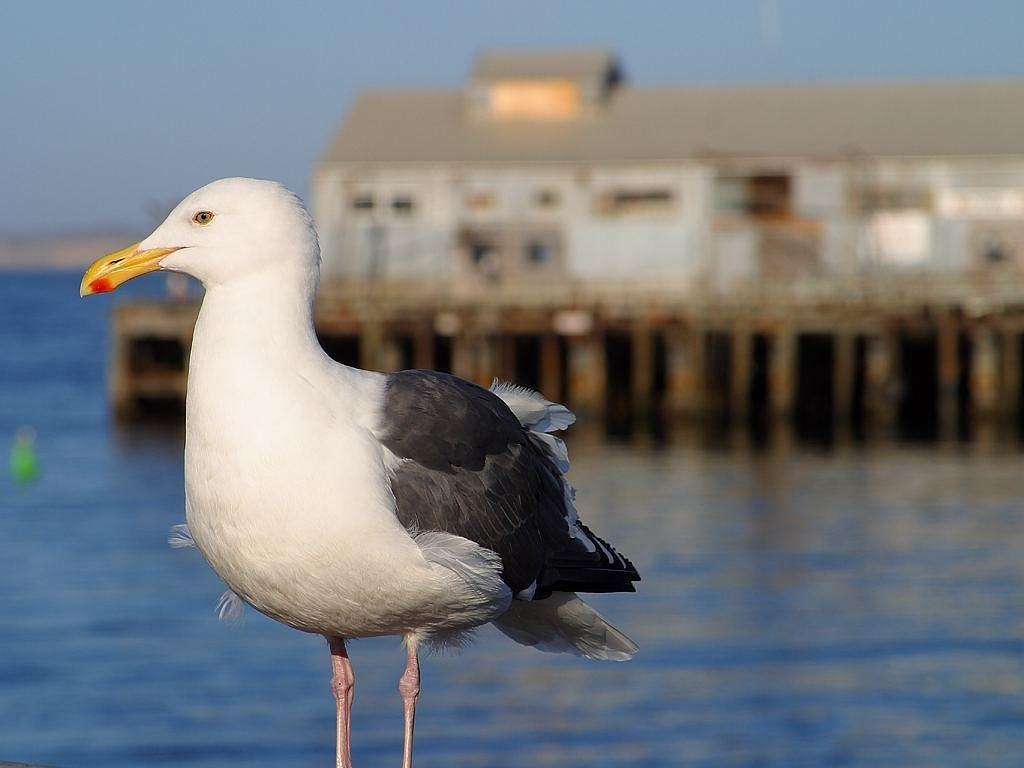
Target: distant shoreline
30 269
58 252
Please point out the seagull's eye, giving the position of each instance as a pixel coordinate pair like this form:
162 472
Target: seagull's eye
202 217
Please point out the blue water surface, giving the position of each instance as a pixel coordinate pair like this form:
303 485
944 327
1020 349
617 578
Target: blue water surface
858 607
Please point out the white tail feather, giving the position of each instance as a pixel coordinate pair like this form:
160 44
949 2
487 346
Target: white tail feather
180 536
563 623
230 608
533 410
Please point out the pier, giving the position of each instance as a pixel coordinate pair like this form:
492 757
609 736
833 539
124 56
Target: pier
941 354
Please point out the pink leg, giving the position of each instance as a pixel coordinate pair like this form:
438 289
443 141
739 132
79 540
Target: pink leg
342 682
409 687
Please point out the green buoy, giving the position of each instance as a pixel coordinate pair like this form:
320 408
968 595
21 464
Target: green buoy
24 464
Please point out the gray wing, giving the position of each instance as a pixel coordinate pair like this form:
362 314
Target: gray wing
469 468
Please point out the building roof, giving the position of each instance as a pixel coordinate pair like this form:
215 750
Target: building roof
643 123
575 64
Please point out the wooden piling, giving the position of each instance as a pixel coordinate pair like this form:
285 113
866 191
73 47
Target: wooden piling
1010 373
587 373
740 368
880 387
984 372
781 373
551 366
642 375
423 344
948 374
844 372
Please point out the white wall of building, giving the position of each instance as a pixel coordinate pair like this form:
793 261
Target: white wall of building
859 215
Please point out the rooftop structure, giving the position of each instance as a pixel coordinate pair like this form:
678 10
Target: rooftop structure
551 166
585 113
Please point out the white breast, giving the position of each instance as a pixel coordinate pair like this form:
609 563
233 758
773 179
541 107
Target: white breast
285 490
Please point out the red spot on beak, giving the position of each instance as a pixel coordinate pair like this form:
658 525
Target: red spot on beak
101 285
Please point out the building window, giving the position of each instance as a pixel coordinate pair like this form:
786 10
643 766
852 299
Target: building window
479 252
480 201
402 204
546 198
362 202
900 238
765 195
624 201
769 195
485 258
872 199
539 253
994 252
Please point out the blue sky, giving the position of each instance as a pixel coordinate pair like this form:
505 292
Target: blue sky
112 110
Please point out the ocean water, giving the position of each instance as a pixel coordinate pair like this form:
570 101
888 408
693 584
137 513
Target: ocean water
862 606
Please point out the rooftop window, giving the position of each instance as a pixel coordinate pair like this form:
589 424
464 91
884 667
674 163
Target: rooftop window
625 201
402 204
548 99
894 199
539 252
484 256
546 198
481 201
766 195
363 202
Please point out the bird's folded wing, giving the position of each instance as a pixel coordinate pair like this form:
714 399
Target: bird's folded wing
464 464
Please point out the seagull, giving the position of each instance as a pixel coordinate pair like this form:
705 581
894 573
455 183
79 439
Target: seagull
351 503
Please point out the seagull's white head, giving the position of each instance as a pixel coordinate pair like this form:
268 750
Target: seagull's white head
224 232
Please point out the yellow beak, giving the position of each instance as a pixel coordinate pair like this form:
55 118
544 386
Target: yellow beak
104 275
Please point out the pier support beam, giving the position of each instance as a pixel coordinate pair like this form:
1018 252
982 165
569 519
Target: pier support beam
586 378
984 373
844 364
118 377
463 356
948 343
684 363
781 368
880 366
506 368
486 368
551 367
423 345
642 375
371 339
390 355
739 396
1011 373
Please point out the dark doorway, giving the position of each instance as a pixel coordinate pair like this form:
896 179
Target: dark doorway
965 368
527 360
618 350
758 413
918 403
656 419
563 368
157 408
814 409
858 393
1020 390
443 353
405 345
718 373
155 353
